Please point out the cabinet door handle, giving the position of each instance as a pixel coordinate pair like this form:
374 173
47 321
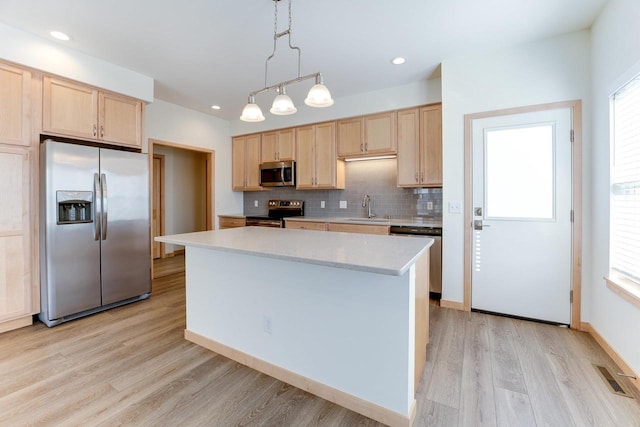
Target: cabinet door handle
95 130
416 176
361 148
101 131
366 147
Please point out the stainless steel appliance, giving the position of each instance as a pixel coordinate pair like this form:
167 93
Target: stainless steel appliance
435 257
276 211
95 244
278 174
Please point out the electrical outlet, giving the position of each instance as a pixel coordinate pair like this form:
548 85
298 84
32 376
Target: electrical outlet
429 206
266 324
343 204
321 204
255 203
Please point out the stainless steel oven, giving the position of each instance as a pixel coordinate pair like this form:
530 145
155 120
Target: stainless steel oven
276 211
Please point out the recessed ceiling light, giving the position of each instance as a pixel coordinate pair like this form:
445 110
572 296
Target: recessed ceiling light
215 107
398 60
60 35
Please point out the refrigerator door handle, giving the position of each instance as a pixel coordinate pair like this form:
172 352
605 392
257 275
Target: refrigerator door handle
97 216
105 206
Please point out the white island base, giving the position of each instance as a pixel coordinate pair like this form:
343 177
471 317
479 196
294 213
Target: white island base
303 307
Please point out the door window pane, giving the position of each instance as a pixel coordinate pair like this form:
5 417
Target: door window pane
519 172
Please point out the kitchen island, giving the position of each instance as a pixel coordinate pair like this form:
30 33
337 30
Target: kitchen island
336 314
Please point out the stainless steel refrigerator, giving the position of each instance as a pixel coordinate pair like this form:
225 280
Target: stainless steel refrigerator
95 250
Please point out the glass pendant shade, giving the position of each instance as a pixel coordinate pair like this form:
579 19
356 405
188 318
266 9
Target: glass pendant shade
282 105
252 113
319 96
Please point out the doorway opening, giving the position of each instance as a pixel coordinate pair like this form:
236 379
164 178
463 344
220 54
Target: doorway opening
182 197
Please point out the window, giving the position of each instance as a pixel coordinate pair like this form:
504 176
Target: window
625 183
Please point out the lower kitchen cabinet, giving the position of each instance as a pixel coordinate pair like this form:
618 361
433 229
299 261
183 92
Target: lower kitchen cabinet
358 228
230 222
306 225
18 293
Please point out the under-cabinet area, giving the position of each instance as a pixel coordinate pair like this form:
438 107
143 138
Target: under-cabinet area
413 136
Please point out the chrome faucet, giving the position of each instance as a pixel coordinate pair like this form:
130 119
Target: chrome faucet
366 203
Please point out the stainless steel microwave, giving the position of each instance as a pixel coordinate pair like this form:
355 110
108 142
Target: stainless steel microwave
278 174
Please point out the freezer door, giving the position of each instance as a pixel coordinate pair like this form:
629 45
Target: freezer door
71 255
126 246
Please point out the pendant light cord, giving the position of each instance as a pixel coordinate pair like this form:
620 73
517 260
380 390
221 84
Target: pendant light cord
276 36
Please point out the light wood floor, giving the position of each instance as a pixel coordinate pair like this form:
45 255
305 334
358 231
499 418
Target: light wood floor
132 366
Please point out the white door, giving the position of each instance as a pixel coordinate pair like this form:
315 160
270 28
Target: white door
522 215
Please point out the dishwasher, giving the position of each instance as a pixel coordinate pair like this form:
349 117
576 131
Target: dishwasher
435 253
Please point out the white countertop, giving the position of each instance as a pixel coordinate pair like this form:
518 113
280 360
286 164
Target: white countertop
391 255
373 221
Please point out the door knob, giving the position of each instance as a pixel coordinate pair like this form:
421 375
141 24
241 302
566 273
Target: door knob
477 225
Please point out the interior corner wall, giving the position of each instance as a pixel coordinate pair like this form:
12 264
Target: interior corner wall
179 125
615 60
550 70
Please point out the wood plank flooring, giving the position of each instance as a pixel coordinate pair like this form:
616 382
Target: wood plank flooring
131 366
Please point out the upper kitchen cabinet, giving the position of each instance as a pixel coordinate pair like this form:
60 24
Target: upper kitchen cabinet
318 166
372 135
420 147
14 105
278 145
246 163
72 109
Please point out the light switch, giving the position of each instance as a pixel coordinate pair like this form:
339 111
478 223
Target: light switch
455 207
321 204
255 203
343 204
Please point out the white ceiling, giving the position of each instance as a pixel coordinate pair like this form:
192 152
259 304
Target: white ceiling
204 52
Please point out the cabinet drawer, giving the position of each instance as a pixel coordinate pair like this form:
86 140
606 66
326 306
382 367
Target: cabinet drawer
229 222
358 228
306 225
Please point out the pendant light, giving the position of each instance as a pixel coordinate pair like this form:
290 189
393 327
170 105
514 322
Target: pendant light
318 97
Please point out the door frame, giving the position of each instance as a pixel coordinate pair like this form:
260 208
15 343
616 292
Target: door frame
160 194
576 198
210 159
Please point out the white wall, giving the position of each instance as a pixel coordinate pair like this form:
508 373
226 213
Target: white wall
550 70
424 92
171 123
615 59
45 55
184 191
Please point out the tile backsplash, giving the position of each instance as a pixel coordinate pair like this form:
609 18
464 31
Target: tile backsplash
377 178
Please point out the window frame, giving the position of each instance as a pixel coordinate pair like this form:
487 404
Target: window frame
625 285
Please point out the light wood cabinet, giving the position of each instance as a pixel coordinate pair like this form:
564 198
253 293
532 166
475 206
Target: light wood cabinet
351 137
231 222
372 135
420 147
306 225
278 145
76 110
246 163
16 291
14 105
358 228
318 166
